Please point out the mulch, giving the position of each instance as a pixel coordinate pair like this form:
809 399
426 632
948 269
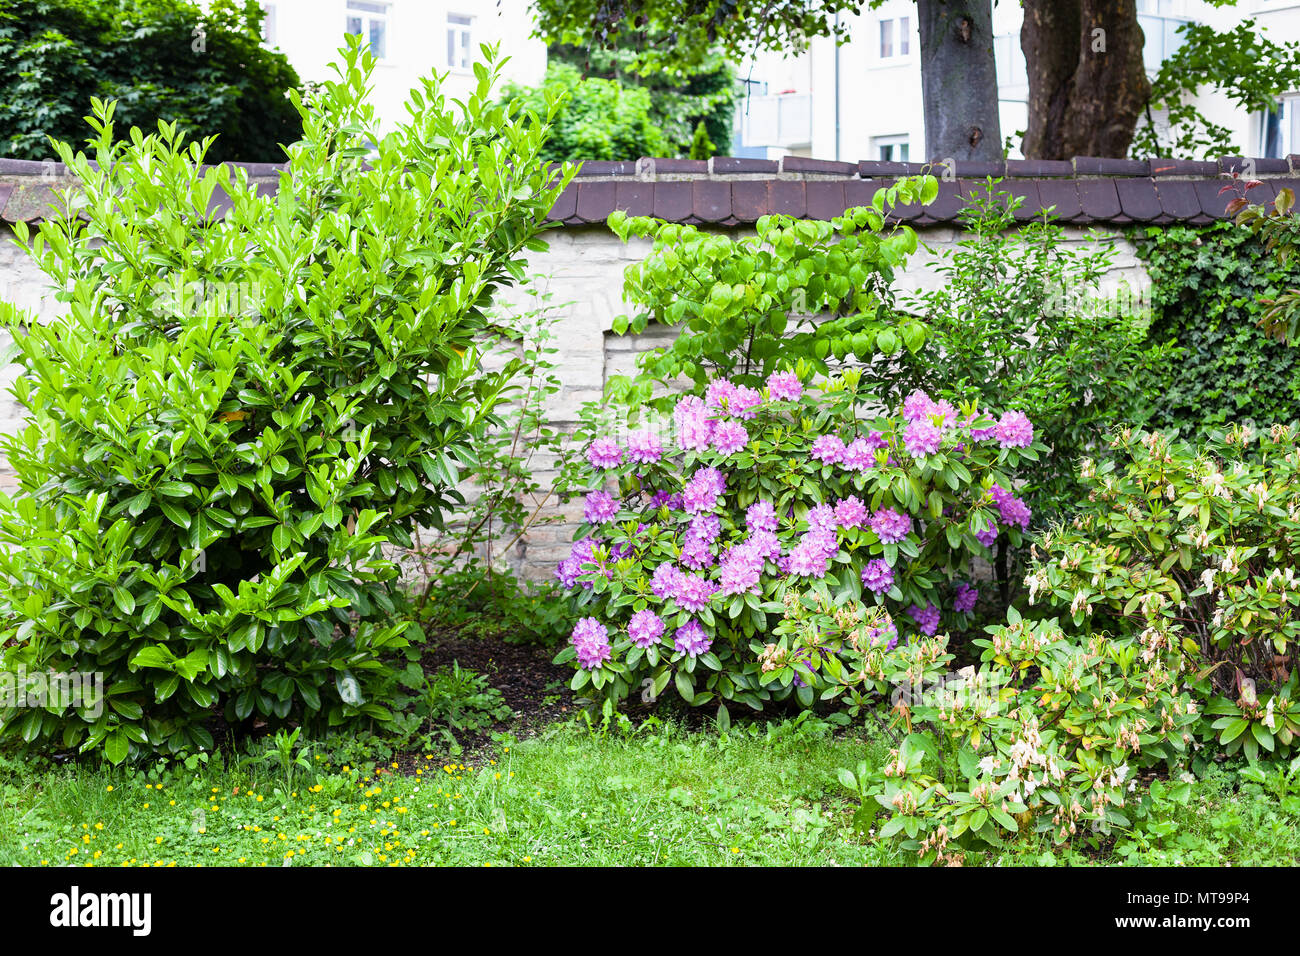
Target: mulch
534 688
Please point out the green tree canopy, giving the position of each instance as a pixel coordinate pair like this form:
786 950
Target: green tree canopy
600 119
681 97
159 59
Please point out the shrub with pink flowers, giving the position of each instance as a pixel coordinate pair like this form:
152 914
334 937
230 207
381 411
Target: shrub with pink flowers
693 535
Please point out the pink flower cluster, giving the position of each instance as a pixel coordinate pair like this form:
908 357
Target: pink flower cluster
737 400
570 572
713 557
965 597
1012 510
703 490
644 447
691 639
1014 430
811 557
919 407
859 455
645 628
761 516
784 387
599 507
891 526
591 640
605 453
692 592
877 575
729 437
927 618
697 551
694 424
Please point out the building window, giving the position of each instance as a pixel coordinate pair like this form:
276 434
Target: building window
1280 130
370 22
890 149
895 38
1162 39
460 40
1009 61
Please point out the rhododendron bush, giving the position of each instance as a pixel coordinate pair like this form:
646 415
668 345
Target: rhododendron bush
1192 549
1046 735
694 532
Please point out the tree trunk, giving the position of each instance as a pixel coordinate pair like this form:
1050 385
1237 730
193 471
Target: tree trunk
959 85
1049 37
1087 81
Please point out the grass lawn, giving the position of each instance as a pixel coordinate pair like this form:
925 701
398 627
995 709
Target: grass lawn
663 796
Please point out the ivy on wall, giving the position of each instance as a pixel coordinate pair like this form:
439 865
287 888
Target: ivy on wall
1207 283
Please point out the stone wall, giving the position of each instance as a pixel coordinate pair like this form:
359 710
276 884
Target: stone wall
1097 200
585 267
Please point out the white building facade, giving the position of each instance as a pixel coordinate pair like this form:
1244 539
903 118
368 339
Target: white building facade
863 100
411 39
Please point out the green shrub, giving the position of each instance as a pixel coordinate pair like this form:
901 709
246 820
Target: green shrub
453 700
1044 736
205 70
701 146
1019 322
1276 225
237 413
680 99
801 290
1207 287
601 119
1191 551
681 571
478 603
506 499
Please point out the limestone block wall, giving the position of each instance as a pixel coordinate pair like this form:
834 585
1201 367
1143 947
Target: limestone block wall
1097 200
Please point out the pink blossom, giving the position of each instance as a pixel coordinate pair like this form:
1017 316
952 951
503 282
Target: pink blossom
891 526
694 426
877 575
922 437
605 453
927 618
645 628
828 449
851 512
644 447
590 639
729 437
691 640
1014 430
599 507
784 386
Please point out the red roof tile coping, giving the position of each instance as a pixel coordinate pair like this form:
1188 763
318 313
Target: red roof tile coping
731 191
